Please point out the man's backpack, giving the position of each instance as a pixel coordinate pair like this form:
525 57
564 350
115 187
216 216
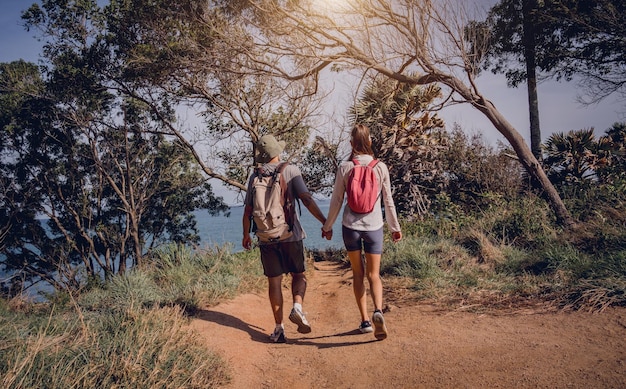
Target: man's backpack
272 208
362 188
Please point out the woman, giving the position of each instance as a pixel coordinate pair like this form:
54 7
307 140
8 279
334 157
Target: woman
364 231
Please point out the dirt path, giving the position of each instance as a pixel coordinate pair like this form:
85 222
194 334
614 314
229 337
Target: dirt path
425 348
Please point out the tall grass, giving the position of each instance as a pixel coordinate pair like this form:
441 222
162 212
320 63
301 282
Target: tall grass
178 275
130 332
137 348
513 253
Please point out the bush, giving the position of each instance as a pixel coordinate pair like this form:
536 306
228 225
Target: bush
524 222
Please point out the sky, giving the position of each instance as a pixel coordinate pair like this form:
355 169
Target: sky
558 107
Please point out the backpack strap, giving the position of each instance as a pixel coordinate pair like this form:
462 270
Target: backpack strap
373 163
289 201
282 182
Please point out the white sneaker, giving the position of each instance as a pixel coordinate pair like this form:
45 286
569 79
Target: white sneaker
380 329
297 317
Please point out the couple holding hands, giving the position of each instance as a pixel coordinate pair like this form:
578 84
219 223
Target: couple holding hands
361 232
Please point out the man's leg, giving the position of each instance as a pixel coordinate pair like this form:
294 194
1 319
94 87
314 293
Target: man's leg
298 287
276 297
294 252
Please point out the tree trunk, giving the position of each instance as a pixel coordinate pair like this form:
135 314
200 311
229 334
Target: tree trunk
528 160
531 77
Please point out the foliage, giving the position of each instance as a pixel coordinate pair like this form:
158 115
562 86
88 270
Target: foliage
602 210
405 136
571 157
610 166
318 167
178 275
187 56
408 259
525 222
513 253
571 38
577 158
434 170
515 32
412 43
477 174
90 184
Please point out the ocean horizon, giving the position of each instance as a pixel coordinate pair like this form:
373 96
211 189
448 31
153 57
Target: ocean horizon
227 230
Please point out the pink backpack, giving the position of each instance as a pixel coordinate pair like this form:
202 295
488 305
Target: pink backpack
362 187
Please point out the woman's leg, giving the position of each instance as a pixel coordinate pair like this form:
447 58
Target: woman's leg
358 282
373 276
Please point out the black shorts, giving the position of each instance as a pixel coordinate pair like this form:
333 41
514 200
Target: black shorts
370 241
282 258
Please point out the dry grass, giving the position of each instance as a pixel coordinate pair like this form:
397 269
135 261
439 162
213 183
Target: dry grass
144 348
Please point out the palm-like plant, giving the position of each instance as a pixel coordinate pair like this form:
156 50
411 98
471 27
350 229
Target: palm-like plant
405 136
571 157
613 153
577 156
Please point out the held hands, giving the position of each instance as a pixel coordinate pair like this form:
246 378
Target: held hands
327 234
396 236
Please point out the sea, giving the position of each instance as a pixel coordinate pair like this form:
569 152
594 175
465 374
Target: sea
226 232
220 231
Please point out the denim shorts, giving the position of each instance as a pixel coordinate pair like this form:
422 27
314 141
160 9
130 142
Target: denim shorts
370 241
282 258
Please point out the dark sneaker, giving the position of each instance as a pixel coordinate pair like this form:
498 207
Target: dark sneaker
278 336
366 327
380 329
297 317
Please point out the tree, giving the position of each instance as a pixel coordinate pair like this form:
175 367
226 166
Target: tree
406 137
577 157
588 43
20 102
514 30
572 38
613 168
90 187
571 157
413 42
186 55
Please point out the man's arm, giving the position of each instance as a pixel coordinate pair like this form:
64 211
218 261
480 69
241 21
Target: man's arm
246 242
311 205
298 187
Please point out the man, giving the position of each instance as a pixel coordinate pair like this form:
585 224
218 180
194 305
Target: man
283 256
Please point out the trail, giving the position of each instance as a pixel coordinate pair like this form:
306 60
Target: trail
426 348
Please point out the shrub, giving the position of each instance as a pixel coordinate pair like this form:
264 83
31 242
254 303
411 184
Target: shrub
524 222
